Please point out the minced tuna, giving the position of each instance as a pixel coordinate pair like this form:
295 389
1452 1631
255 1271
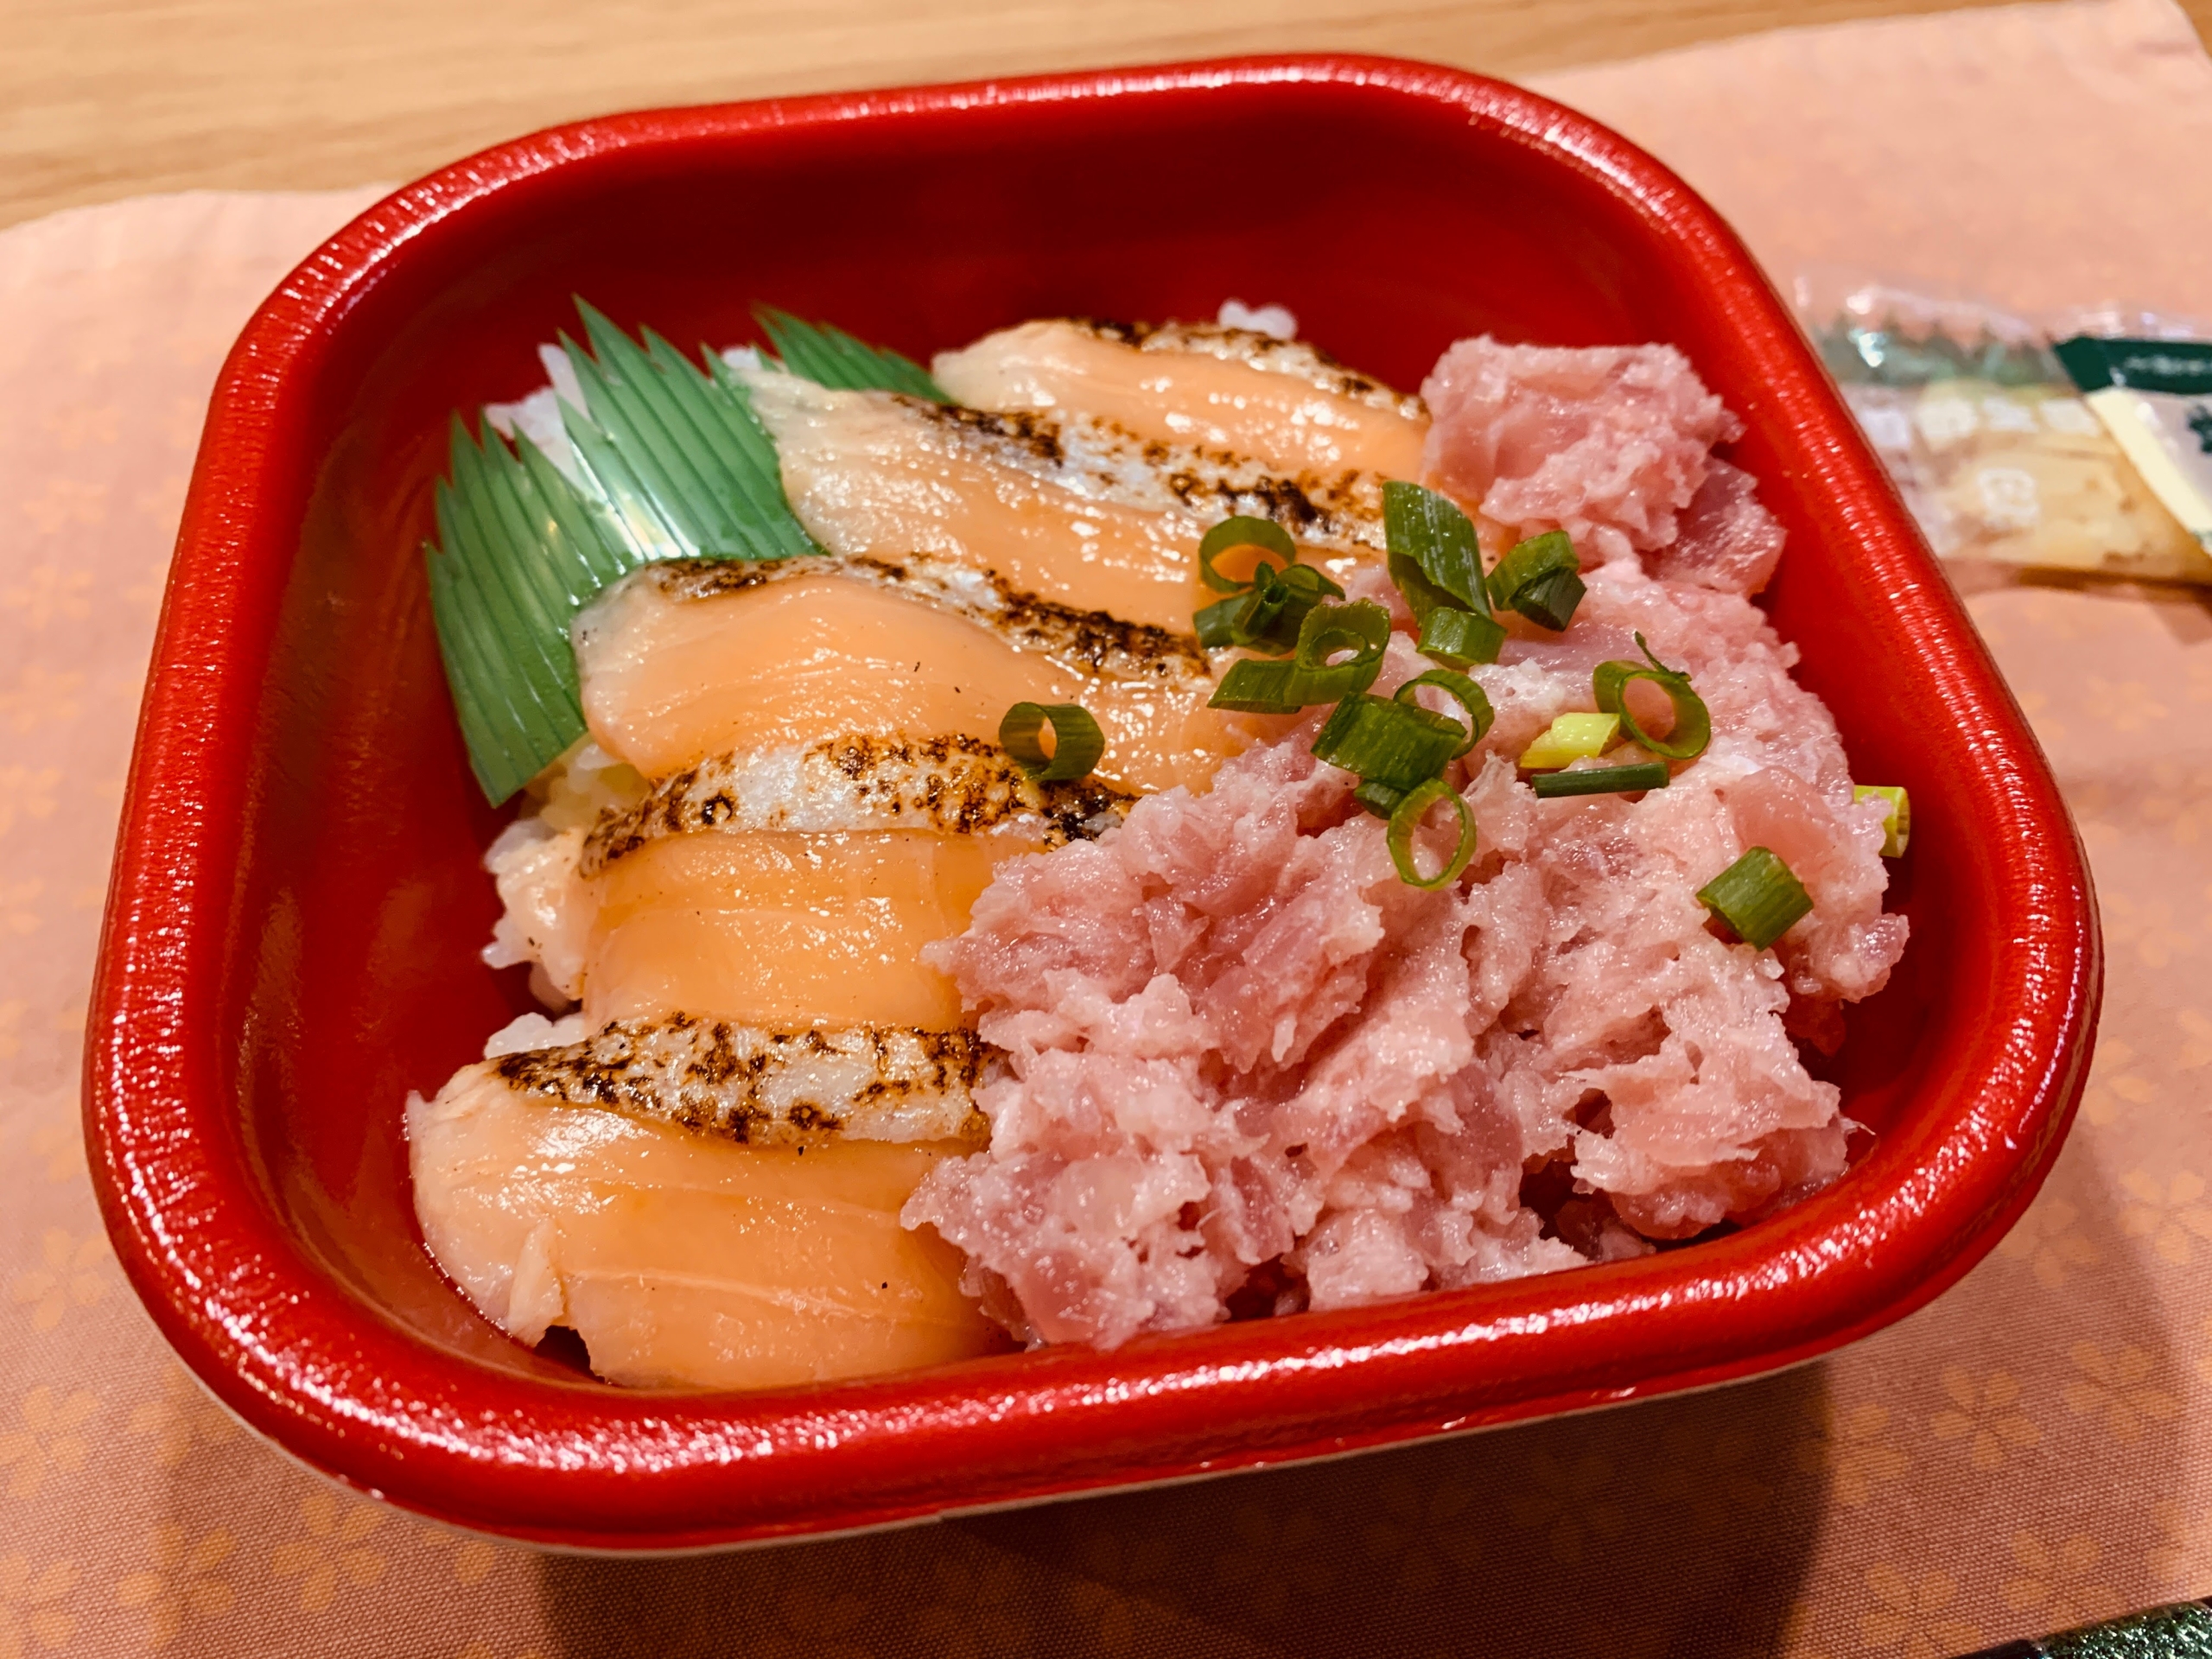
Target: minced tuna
1248 1069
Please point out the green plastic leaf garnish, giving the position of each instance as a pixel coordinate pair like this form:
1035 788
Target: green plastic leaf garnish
830 357
669 462
676 453
1897 829
519 551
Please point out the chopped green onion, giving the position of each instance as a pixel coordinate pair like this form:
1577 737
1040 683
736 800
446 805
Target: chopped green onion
1266 611
1693 729
1897 830
1242 531
1275 615
1758 897
1361 627
1400 744
1570 737
1270 616
1406 818
1437 566
1457 639
1252 687
1378 797
1428 532
1077 741
1530 561
1284 688
1538 579
1602 781
830 357
1463 691
1216 624
1549 602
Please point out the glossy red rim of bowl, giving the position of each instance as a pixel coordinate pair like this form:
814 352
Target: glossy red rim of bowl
349 1392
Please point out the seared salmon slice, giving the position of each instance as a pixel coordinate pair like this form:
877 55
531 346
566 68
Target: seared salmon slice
1069 507
785 930
682 1258
1280 402
797 888
681 661
869 472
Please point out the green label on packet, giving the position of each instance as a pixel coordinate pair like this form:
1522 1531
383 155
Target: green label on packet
2181 367
2155 397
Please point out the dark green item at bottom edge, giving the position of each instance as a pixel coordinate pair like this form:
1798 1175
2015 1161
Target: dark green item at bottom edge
2183 1630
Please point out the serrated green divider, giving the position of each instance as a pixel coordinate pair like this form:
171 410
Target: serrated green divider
830 357
670 462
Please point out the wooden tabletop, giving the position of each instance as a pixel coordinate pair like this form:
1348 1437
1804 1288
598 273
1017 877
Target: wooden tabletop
117 97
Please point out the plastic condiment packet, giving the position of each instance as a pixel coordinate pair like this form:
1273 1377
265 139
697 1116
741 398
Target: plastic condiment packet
2155 397
1996 453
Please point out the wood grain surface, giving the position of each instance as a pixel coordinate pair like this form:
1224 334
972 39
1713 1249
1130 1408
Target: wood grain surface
102 99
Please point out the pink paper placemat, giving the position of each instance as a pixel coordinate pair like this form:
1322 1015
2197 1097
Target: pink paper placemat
2031 1450
2040 156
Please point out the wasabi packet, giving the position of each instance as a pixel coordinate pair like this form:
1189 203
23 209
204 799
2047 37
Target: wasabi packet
1990 441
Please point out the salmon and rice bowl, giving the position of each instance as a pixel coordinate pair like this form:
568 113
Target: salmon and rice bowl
1126 828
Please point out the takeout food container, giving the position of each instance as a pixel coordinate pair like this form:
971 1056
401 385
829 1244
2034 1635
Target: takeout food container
292 931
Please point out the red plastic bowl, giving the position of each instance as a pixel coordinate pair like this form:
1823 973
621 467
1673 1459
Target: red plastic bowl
291 938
